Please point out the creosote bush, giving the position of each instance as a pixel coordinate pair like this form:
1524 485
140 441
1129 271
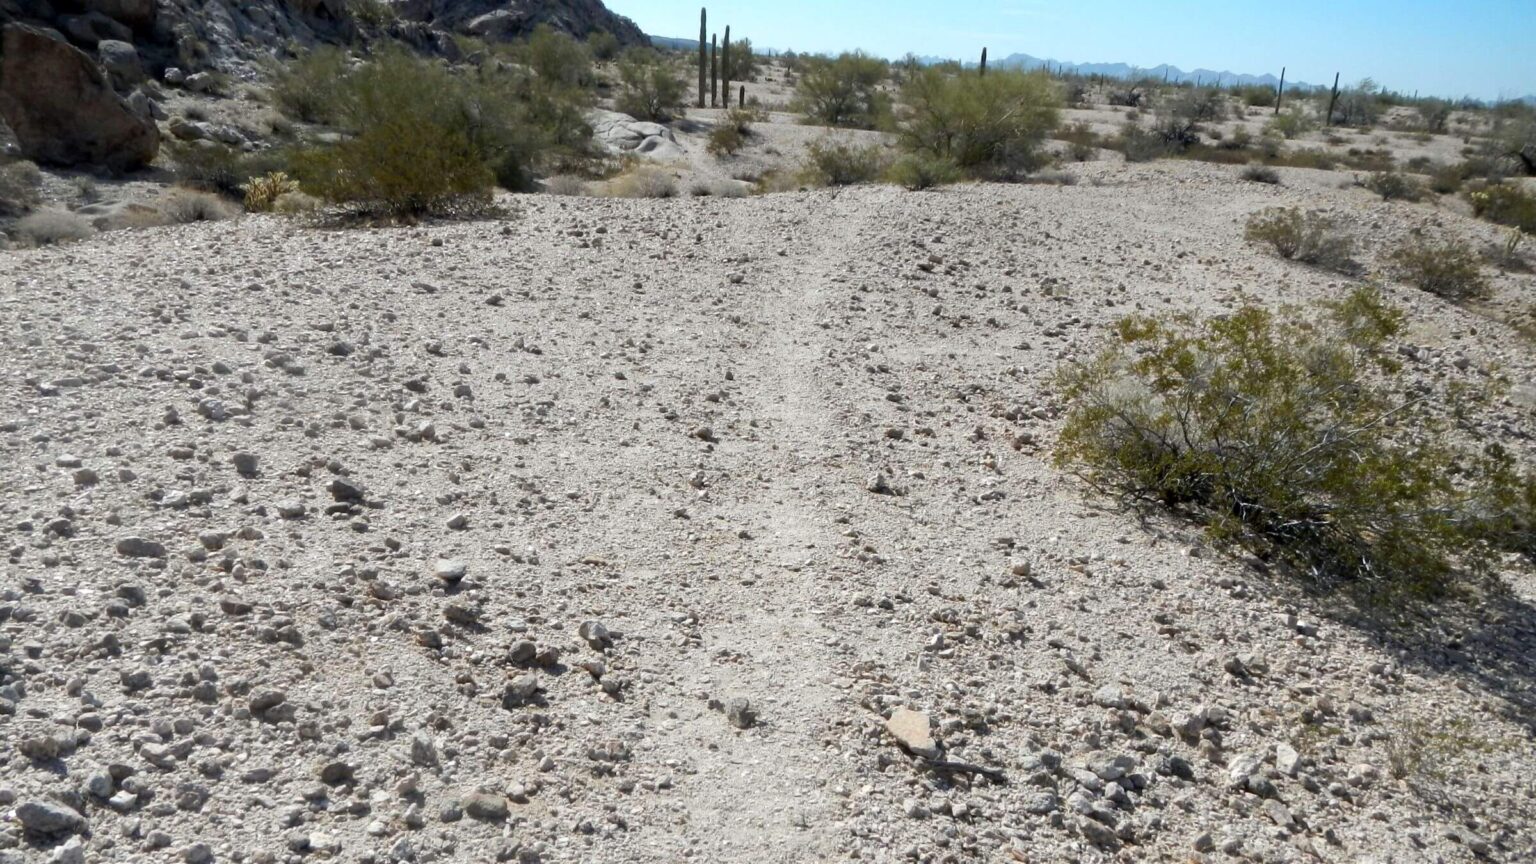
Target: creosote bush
184 206
918 171
831 163
1304 236
1449 269
1299 441
1259 173
1392 186
731 133
844 91
648 87
990 127
306 89
644 181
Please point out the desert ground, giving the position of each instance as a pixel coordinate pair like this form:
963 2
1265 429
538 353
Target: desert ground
615 530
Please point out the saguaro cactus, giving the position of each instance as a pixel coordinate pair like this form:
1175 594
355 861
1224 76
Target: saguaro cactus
741 97
1280 91
725 69
1332 101
703 55
714 70
984 63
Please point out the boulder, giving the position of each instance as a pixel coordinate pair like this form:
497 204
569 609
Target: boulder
61 107
121 62
137 14
92 28
621 133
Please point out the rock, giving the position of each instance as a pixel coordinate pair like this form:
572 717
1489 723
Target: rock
345 490
61 107
911 729
138 547
1287 760
486 807
1109 696
1042 803
335 773
621 133
48 819
740 712
595 634
71 851
520 691
449 571
121 62
1097 833
290 508
198 853
522 652
246 464
265 699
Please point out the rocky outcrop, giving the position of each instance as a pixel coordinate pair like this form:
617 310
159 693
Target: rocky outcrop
621 134
62 108
509 19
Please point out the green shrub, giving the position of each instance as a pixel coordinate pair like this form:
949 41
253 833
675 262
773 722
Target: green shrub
990 126
743 63
1082 143
1300 441
731 133
219 168
1291 123
306 89
839 164
917 171
1434 114
1256 95
1140 144
19 184
556 58
1450 269
1446 179
371 14
1307 237
648 87
603 45
1392 186
1257 172
1505 204
844 91
423 141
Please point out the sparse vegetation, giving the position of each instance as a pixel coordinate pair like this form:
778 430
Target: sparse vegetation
1392 186
1293 122
183 206
990 127
565 184
1304 236
731 133
307 88
1257 172
918 171
1448 269
1299 441
1506 204
844 91
831 163
219 168
49 226
423 141
1082 143
19 184
644 181
261 193
648 86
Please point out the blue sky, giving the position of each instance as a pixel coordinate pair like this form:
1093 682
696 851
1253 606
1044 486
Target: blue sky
1482 48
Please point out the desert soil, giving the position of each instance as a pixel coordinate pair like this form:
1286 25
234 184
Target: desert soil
283 506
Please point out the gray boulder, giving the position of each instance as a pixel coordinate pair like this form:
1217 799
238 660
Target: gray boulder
121 62
61 107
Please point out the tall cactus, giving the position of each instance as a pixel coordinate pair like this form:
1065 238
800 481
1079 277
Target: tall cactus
714 70
983 62
703 55
725 69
